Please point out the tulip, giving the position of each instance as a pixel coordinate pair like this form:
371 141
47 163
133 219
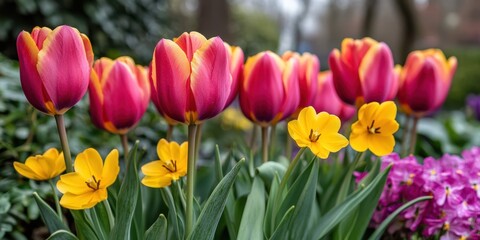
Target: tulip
308 69
236 69
191 77
54 67
362 71
270 90
327 99
425 81
119 94
42 167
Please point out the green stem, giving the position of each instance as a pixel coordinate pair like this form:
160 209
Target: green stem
198 138
190 177
180 193
289 147
253 137
169 132
264 144
62 133
406 128
111 219
290 168
55 197
124 139
345 187
273 134
413 135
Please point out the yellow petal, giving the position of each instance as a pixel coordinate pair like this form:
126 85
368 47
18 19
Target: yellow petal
110 169
319 150
51 153
359 142
163 150
333 142
89 163
386 110
156 182
367 113
38 166
381 145
325 122
25 171
83 201
73 183
59 165
155 168
296 132
387 126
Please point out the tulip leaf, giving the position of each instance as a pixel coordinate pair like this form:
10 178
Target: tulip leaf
173 216
268 170
127 199
380 229
282 228
158 230
62 235
269 226
51 219
251 226
83 225
338 213
207 222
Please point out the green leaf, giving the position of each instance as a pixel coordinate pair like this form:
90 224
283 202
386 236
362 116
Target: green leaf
207 222
127 199
380 229
269 226
338 214
158 230
282 229
173 217
62 235
83 226
268 170
51 219
251 226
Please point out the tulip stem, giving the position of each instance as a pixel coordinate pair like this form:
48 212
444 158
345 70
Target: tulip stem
405 135
62 133
111 218
198 138
253 137
289 147
413 136
292 166
273 134
124 139
55 198
192 128
265 144
169 132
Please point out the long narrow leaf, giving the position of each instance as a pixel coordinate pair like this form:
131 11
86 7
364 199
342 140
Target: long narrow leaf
51 219
380 229
127 199
62 235
158 230
212 211
282 229
83 226
251 226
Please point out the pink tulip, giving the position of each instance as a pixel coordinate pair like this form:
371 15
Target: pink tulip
236 69
119 94
54 67
327 99
191 77
309 66
270 91
362 71
425 81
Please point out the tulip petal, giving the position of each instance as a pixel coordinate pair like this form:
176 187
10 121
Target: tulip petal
236 69
89 163
157 182
346 84
110 169
211 78
154 168
190 43
318 149
359 142
39 34
83 201
88 49
96 100
333 142
170 72
25 171
30 79
381 145
291 88
376 73
73 183
296 132
63 67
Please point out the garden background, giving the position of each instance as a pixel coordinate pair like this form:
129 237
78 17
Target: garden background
133 27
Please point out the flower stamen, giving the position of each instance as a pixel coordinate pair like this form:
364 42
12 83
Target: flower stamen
371 129
314 136
96 184
169 166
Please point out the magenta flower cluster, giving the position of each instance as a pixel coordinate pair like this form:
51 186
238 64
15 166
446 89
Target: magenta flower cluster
454 183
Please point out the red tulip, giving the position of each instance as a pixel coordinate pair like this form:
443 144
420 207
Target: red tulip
362 71
327 99
191 77
270 90
425 81
54 67
236 69
309 66
119 94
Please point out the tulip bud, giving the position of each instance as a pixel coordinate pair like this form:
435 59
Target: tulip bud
362 71
327 99
54 67
191 77
425 81
270 91
119 94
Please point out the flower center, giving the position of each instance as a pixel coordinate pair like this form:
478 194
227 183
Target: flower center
447 190
314 135
475 186
371 129
171 166
446 226
93 183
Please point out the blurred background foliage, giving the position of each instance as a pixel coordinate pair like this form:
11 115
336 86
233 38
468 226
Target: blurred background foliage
133 27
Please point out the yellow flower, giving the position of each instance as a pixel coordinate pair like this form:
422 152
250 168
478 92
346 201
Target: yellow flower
171 166
319 132
87 186
42 167
375 128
